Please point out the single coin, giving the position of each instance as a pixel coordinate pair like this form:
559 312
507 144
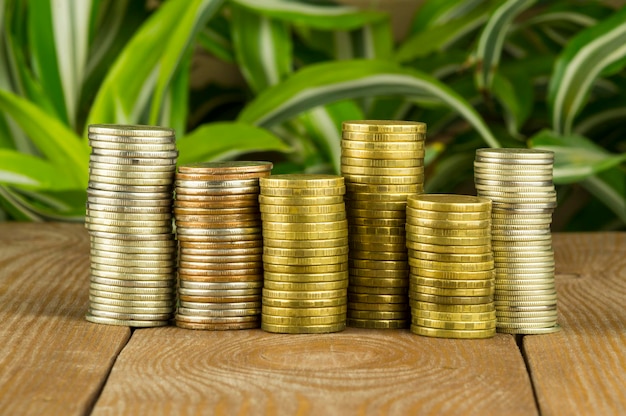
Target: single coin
376 205
129 249
376 231
383 137
130 316
382 171
495 175
129 275
377 323
302 312
219 231
378 315
449 241
448 232
305 277
371 238
526 324
305 235
381 163
106 182
128 197
220 306
218 293
218 299
453 284
123 209
447 324
379 264
106 260
97 253
520 286
303 210
382 282
447 224
444 291
451 308
371 213
453 333
218 313
443 249
404 146
304 180
191 194
546 320
376 298
305 226
364 197
451 258
522 304
219 212
527 295
304 192
153 224
521 222
160 297
302 329
448 215
218 239
255 243
112 164
207 220
217 327
455 316
133 269
500 161
120 216
377 222
300 201
221 278
355 188
305 244
217 319
132 140
297 218
370 290
362 274
526 308
125 322
305 261
104 307
448 266
516 153
382 154
205 265
382 307
130 130
378 246
165 154
223 252
220 177
383 126
449 202
193 258
132 287
531 331
453 274
302 320
305 286
122 174
305 303
319 268
450 300
378 255
217 201
302 295
527 315
210 285
306 252
226 167
242 183
384 180
131 303
498 239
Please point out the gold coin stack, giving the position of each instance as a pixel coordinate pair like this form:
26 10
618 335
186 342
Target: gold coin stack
452 266
382 162
305 253
129 218
519 182
218 225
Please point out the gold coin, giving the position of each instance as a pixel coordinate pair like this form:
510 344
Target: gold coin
381 163
354 188
444 291
383 126
381 307
448 224
306 192
446 324
372 238
455 316
453 333
379 264
320 268
375 298
305 261
378 246
447 266
449 241
188 273
377 323
377 205
302 312
303 180
186 218
452 283
204 265
306 277
451 258
333 216
382 282
378 255
295 286
303 210
443 249
376 231
305 244
219 168
217 293
448 232
303 320
383 137
220 177
449 202
363 197
305 303
247 251
375 213
305 229
302 295
450 300
404 146
384 180
300 201
404 290
303 329
379 273
376 171
378 315
306 252
451 308
447 215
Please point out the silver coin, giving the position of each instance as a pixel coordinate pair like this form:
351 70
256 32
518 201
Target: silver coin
220 231
129 205
111 165
130 316
122 209
220 305
126 309
131 269
127 161
109 173
122 216
132 139
133 147
171 283
134 155
131 182
165 303
133 297
131 231
129 188
509 161
166 222
98 260
168 243
235 183
129 275
125 322
130 130
218 312
128 195
222 251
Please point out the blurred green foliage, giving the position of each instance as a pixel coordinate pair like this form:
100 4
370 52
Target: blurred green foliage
510 73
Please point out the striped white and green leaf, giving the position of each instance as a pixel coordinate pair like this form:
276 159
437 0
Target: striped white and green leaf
491 40
436 12
582 61
330 82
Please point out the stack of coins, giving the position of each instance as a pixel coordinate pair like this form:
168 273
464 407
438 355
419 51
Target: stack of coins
452 266
305 253
519 182
129 218
382 162
218 224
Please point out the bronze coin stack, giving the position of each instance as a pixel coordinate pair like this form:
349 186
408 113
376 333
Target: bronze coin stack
519 182
452 266
129 218
383 163
305 253
218 224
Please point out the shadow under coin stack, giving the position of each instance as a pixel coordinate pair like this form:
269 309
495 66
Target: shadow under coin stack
519 182
218 225
305 253
383 163
129 218
452 267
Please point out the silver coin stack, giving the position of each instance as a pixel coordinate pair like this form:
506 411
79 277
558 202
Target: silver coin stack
129 218
519 183
218 223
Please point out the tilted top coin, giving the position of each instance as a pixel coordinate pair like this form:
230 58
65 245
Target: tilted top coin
225 167
130 130
516 153
449 202
304 180
384 126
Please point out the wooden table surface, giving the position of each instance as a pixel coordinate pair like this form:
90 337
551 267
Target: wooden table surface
52 361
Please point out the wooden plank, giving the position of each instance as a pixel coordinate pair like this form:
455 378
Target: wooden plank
52 361
176 371
582 370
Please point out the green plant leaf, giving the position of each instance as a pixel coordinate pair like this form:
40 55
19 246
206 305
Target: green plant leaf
584 58
516 96
60 145
318 16
262 48
609 187
26 171
442 36
330 82
491 40
435 12
575 157
216 43
219 141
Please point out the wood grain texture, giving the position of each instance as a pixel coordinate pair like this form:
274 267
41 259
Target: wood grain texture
356 372
582 370
51 360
